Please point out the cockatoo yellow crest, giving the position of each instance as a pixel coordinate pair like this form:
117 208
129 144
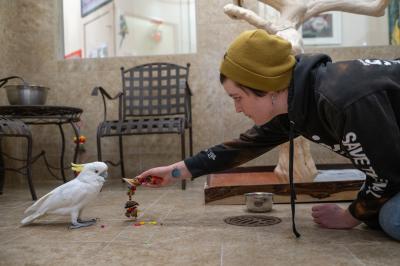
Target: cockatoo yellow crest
77 167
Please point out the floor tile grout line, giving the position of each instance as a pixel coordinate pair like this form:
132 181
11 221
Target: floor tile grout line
10 240
177 238
21 234
17 206
143 212
353 255
222 255
9 227
60 241
161 219
18 236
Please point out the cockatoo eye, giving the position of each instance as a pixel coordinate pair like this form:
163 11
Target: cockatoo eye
96 171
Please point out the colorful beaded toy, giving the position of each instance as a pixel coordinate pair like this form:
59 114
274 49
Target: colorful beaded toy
131 205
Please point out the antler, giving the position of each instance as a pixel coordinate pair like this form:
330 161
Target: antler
374 8
236 12
292 12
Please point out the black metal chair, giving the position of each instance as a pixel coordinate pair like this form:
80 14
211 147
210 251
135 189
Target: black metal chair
16 128
156 99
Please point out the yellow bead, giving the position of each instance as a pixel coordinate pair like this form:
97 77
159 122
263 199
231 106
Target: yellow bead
142 222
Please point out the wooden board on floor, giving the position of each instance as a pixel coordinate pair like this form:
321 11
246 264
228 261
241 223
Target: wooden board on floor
229 187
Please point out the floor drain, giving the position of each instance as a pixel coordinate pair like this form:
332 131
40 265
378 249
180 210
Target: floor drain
252 220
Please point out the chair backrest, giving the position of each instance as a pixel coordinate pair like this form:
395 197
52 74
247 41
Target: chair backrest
155 89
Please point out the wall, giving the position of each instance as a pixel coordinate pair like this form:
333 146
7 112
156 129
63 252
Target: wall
358 30
33 51
7 65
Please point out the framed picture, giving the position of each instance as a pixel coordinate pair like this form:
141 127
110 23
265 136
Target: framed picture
324 29
88 6
394 23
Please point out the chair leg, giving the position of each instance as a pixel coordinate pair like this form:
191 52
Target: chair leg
183 184
2 171
29 168
191 144
121 156
99 157
190 141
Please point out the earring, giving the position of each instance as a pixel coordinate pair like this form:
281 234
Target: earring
273 99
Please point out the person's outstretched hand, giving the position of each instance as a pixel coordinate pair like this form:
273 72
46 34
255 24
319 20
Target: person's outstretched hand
167 174
334 217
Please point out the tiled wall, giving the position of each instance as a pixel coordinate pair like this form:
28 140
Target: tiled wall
30 47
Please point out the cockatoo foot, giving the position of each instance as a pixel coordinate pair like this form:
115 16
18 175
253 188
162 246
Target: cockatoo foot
84 224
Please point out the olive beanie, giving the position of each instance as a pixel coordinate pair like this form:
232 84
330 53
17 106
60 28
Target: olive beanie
259 61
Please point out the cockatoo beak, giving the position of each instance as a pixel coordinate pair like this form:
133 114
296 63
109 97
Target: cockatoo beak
104 174
77 167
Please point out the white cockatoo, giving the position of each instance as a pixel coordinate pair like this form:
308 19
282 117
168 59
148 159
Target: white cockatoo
71 197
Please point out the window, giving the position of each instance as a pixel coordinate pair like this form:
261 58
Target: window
107 28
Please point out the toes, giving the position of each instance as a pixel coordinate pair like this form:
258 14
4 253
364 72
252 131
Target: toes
79 225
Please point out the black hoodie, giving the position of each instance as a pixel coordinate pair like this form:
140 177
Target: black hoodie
350 107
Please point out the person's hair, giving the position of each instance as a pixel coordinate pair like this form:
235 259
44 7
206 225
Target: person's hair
246 89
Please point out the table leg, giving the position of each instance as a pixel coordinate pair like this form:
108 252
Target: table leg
62 152
1 170
76 132
29 168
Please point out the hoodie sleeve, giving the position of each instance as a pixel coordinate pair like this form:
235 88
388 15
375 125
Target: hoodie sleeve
372 141
251 144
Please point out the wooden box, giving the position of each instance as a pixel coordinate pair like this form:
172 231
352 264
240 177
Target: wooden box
229 187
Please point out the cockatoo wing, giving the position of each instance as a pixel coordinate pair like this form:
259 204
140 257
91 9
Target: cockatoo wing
66 196
71 198
63 200
38 203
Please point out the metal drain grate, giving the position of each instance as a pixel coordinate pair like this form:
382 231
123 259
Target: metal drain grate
252 220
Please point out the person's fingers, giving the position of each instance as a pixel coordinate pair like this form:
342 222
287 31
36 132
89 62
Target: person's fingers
151 185
315 214
321 223
144 174
317 221
317 208
158 182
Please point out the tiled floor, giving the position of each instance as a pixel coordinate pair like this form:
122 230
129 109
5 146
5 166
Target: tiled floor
191 234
